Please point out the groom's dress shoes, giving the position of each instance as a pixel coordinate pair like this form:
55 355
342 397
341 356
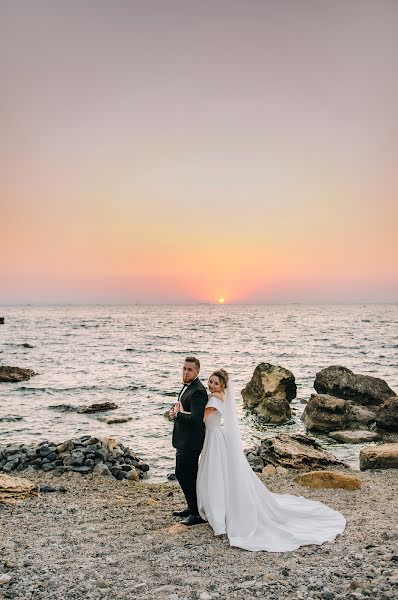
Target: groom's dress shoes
193 520
181 513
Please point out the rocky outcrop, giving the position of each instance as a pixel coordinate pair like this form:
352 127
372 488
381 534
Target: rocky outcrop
349 401
354 437
382 456
82 455
325 413
270 392
116 420
97 407
15 489
328 413
387 414
15 374
343 383
329 479
295 451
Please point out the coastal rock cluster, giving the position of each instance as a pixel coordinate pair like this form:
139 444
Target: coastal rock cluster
86 454
295 451
347 401
269 393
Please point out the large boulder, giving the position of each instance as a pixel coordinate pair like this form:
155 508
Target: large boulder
325 413
294 451
329 479
15 374
328 413
382 456
343 383
269 393
387 414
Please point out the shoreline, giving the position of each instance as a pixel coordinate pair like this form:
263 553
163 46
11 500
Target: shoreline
104 538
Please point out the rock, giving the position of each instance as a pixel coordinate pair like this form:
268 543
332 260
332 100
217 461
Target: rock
9 450
341 382
382 456
5 578
65 446
171 477
110 443
269 392
387 414
15 374
360 416
256 462
329 479
354 437
97 407
269 470
328 413
132 475
282 471
115 420
83 469
102 470
13 489
295 451
47 489
325 413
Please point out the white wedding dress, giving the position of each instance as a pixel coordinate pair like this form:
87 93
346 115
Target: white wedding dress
234 500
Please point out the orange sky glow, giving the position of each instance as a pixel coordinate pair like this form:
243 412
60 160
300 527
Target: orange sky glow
199 151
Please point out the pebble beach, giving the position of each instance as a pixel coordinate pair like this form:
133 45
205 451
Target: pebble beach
101 538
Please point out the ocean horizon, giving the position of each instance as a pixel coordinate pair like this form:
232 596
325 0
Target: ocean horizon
132 354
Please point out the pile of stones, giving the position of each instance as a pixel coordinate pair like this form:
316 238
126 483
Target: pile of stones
86 454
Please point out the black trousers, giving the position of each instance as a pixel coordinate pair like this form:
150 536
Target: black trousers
186 473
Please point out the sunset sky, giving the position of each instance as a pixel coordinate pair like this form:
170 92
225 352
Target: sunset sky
182 150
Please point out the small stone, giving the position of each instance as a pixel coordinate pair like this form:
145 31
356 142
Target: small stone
282 471
5 578
269 470
46 489
204 596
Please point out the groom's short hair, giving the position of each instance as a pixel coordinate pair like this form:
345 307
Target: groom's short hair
193 359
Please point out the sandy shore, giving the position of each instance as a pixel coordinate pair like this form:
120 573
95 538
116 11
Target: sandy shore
104 538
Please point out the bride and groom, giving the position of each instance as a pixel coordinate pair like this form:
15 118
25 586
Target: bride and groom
219 484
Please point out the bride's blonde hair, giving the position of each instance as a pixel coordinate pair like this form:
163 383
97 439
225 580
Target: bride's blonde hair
222 376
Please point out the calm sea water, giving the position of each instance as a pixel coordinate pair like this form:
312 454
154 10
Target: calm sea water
132 355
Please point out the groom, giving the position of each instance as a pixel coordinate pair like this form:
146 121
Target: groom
188 437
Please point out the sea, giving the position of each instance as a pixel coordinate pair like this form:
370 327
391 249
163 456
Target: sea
132 355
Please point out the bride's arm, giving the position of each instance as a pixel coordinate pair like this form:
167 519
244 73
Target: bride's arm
208 410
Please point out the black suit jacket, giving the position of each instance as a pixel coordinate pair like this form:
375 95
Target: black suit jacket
189 430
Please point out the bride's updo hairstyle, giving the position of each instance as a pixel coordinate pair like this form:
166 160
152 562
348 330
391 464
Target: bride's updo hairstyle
222 376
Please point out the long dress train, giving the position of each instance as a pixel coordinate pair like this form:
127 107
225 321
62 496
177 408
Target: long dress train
234 500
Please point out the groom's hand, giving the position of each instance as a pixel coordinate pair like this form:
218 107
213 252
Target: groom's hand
172 411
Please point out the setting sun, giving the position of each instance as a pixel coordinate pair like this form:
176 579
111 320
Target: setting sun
221 300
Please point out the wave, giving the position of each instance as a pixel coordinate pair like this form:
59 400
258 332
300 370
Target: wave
10 419
82 388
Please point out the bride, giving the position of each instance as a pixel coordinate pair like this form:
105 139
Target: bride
234 500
